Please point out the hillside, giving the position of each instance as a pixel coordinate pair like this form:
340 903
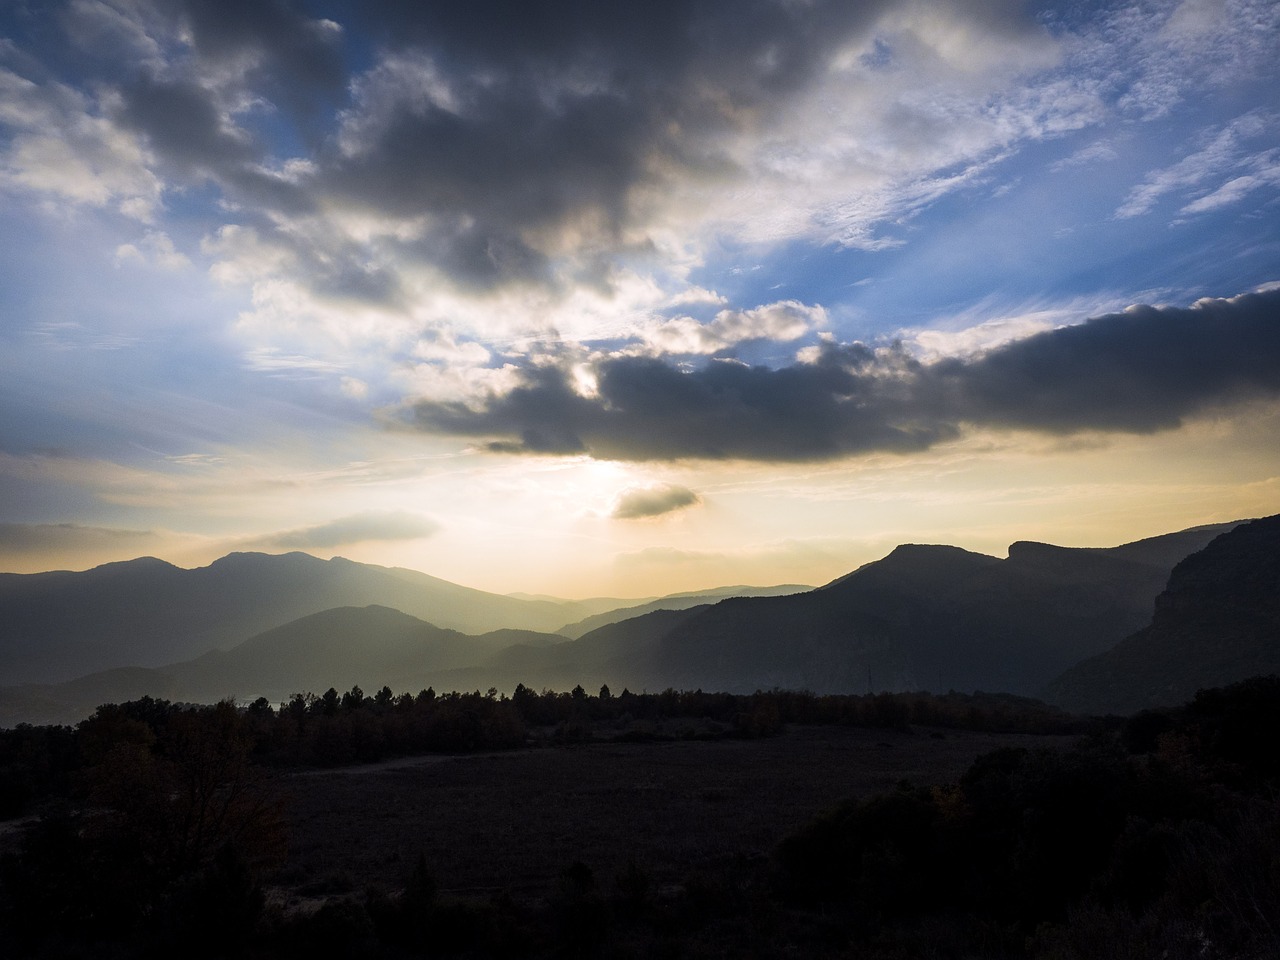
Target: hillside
675 601
146 612
924 617
55 626
1217 622
367 647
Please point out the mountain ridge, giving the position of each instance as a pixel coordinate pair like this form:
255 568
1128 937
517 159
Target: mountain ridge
924 617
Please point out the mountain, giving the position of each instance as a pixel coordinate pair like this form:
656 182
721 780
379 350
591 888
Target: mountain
344 647
54 626
1218 621
73 700
924 617
675 601
618 654
146 612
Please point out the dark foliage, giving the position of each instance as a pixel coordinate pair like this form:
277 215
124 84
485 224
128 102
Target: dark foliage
164 836
35 762
1162 842
1159 837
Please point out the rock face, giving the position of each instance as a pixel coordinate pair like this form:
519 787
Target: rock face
1218 621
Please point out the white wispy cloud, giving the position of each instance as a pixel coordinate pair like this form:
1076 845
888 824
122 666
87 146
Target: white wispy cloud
1100 152
1224 149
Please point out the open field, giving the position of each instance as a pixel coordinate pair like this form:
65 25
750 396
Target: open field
514 821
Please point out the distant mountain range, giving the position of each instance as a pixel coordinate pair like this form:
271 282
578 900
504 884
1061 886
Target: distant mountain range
145 612
1071 624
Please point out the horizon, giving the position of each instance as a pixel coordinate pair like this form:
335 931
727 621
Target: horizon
522 594
633 301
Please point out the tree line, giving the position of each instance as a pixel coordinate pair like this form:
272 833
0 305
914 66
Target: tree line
335 729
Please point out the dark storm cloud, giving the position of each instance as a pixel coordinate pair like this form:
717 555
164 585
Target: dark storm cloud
1143 370
552 115
638 503
1139 371
298 60
261 75
356 529
182 122
752 46
296 48
516 131
649 410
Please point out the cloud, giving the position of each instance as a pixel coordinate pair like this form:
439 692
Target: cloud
636 503
646 409
781 321
1099 152
425 187
482 146
1142 370
1235 190
1223 150
53 537
270 360
357 528
155 248
60 145
1155 54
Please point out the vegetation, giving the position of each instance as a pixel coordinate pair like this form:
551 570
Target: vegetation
333 729
163 826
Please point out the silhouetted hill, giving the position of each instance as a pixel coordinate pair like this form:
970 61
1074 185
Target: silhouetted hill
675 601
924 617
362 646
1217 622
619 654
146 612
348 646
54 626
73 700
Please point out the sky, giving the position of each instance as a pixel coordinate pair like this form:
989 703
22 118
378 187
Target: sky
625 299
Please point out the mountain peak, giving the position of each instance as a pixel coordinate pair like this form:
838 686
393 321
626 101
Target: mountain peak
247 558
910 564
139 565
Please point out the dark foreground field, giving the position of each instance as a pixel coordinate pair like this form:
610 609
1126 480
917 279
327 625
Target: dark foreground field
514 822
685 825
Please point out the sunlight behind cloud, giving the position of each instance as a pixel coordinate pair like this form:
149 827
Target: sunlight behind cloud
708 281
